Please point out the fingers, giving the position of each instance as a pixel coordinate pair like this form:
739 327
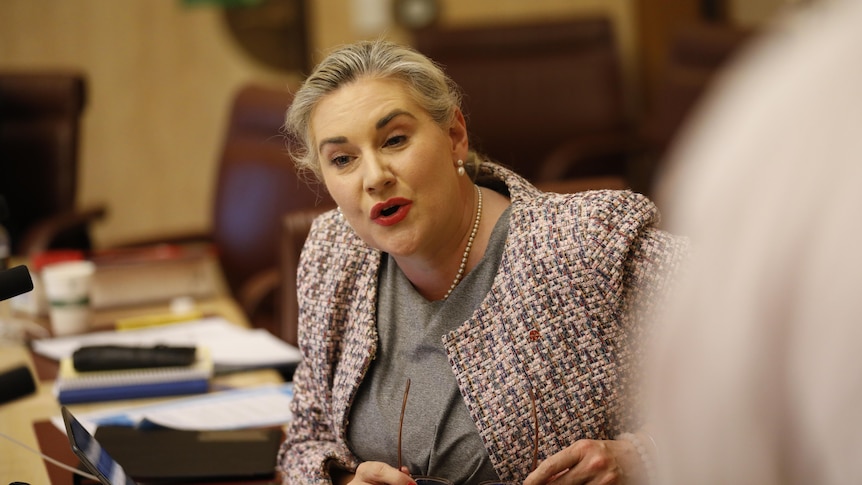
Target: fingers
584 462
554 466
376 473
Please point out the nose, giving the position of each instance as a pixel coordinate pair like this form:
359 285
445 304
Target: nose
378 175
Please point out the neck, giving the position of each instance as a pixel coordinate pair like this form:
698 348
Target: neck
474 230
435 278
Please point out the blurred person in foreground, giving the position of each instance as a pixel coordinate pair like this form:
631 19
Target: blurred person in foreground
451 271
756 376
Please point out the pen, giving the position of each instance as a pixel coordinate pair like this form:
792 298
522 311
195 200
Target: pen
133 323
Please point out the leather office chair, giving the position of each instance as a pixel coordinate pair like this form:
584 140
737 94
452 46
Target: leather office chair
40 124
696 54
537 93
256 185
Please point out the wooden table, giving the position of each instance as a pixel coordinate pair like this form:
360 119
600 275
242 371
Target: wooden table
20 418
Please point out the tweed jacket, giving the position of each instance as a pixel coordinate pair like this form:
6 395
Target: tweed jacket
556 321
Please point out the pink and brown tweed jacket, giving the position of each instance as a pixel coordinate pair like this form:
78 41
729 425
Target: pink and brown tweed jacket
557 320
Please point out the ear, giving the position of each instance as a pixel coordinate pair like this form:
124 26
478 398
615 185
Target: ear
458 136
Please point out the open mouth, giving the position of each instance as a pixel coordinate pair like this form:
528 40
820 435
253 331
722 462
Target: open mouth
390 210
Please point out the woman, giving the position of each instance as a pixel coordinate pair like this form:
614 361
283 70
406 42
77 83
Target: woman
454 274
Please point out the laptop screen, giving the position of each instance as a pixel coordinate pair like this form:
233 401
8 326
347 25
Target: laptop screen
91 454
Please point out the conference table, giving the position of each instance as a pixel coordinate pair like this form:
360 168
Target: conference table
27 419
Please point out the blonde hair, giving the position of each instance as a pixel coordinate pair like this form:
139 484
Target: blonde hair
424 80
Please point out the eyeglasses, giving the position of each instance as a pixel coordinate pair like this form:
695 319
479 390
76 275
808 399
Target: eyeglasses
426 480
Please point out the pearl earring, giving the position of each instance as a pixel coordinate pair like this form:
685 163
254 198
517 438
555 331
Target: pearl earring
460 167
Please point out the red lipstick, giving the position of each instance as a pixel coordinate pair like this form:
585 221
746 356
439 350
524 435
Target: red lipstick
391 211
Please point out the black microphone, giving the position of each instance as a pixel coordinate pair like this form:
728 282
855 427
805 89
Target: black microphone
15 281
15 383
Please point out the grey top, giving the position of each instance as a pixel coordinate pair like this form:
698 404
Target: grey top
439 438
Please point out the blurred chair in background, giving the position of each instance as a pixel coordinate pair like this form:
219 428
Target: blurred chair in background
256 185
40 124
549 99
697 53
537 92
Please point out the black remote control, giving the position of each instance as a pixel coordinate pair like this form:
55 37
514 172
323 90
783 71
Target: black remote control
114 357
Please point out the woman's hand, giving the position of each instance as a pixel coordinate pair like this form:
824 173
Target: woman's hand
590 462
377 473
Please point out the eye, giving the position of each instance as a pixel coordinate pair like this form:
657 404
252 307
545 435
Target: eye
394 141
340 160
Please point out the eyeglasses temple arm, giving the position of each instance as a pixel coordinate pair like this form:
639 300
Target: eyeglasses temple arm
535 429
401 421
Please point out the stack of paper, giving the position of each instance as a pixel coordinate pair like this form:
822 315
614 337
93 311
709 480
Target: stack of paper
255 407
232 347
73 386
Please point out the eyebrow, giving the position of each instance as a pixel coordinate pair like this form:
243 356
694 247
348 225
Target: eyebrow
390 116
334 140
382 122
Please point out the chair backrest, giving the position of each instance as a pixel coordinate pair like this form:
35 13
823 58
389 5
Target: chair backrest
40 117
257 184
697 53
530 87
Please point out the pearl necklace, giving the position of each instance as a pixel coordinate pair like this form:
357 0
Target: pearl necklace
469 243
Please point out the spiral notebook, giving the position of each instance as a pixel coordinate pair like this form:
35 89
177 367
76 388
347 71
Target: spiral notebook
72 386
